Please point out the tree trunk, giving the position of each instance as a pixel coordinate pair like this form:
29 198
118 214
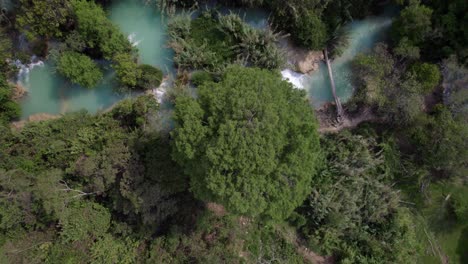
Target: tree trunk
339 107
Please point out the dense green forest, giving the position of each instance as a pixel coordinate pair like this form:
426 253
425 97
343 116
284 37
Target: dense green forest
246 173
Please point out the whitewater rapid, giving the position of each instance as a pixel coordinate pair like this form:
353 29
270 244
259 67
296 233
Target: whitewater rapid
25 69
298 80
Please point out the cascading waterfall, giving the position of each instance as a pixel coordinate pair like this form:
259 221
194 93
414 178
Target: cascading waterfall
161 91
364 34
25 69
296 79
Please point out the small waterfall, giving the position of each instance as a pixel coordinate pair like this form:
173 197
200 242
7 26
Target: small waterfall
160 93
133 40
163 120
295 78
25 69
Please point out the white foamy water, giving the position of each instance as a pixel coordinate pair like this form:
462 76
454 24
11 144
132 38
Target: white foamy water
295 78
133 40
25 69
161 91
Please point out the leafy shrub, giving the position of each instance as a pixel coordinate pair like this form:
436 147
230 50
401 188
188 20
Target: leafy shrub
40 18
110 250
150 78
414 23
310 31
179 26
127 69
200 77
97 30
352 211
460 203
132 112
254 47
75 224
440 142
9 109
213 41
427 74
79 68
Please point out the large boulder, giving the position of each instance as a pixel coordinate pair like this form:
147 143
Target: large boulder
303 60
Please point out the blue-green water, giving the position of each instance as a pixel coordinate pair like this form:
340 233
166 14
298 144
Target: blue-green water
49 93
146 29
142 23
363 36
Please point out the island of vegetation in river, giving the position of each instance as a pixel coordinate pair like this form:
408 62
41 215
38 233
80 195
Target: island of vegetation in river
242 131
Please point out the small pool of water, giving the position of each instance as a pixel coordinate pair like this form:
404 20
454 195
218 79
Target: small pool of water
146 29
50 93
140 20
364 35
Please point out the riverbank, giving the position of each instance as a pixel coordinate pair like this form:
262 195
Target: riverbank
328 123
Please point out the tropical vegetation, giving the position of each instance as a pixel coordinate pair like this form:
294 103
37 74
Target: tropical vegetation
233 164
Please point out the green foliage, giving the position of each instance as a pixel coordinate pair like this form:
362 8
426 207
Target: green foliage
219 239
440 142
110 250
213 240
127 69
460 203
352 210
9 109
200 44
204 30
407 50
212 41
15 210
150 78
41 18
436 30
455 78
254 47
245 139
133 112
450 20
97 30
5 49
380 83
65 177
200 77
179 25
311 31
75 41
82 220
427 74
303 20
414 23
80 69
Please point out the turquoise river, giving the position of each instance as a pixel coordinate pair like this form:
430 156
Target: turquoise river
146 29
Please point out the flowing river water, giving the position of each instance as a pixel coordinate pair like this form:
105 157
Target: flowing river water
363 35
146 29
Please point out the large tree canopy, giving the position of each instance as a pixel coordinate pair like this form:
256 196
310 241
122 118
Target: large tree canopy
43 18
249 142
79 68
